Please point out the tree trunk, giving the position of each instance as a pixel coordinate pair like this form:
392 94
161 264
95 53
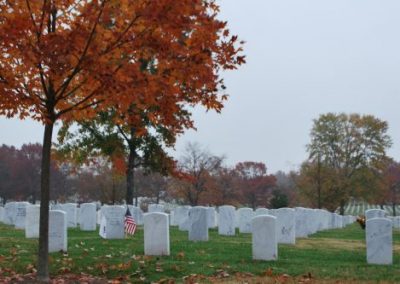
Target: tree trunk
342 204
394 209
113 189
43 261
130 175
381 206
319 183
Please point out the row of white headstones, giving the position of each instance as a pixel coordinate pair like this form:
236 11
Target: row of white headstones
268 226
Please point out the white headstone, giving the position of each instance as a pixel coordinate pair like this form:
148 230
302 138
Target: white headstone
374 213
113 224
264 241
9 213
156 208
98 217
58 240
32 221
226 220
378 233
211 217
286 225
20 214
156 234
102 229
301 229
396 222
198 230
57 206
261 211
88 217
71 210
245 216
137 214
172 221
182 217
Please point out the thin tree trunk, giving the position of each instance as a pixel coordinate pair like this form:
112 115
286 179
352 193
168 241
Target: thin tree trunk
394 209
319 183
43 261
113 189
342 204
130 172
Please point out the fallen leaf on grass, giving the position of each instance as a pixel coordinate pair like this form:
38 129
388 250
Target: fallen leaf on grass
269 272
31 268
165 281
103 267
13 251
64 270
221 273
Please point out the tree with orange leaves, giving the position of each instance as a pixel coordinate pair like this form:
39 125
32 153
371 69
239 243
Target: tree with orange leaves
68 59
255 186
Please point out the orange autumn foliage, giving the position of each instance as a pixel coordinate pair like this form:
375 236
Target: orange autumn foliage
69 59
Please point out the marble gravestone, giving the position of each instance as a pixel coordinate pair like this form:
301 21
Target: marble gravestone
156 208
226 220
245 216
285 225
137 214
88 217
198 229
171 218
112 224
71 210
378 234
211 217
264 238
20 214
396 222
156 234
32 221
261 211
301 219
57 206
9 213
374 213
98 217
58 239
182 217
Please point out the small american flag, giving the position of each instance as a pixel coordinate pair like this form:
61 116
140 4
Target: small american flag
130 224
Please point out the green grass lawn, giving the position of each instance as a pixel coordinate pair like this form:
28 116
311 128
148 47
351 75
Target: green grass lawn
333 254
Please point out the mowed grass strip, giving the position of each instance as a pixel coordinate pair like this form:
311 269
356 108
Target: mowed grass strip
333 254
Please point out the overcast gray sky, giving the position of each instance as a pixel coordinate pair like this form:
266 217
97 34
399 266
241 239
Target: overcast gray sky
304 58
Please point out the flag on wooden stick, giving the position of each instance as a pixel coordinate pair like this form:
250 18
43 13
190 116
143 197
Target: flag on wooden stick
130 224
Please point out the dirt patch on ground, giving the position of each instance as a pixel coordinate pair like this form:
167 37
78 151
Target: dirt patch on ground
326 243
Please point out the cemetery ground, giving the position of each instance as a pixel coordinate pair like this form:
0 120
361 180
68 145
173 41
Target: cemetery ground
327 257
